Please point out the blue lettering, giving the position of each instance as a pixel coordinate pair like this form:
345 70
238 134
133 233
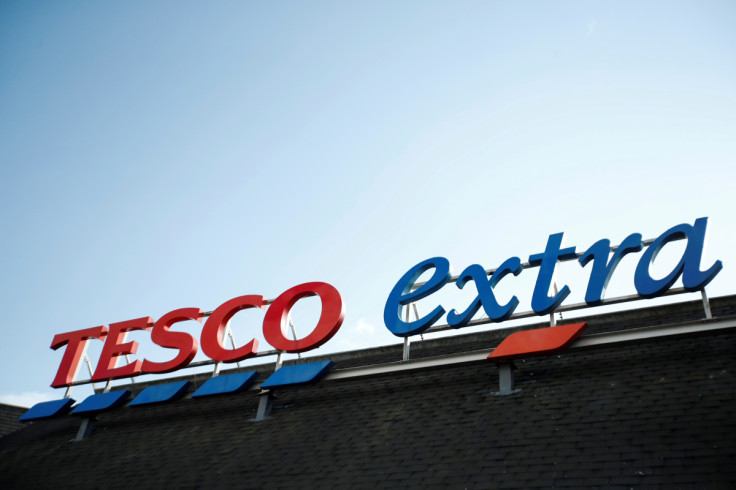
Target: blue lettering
689 265
486 298
401 295
603 268
542 303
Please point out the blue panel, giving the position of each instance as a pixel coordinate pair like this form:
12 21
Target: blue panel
227 383
45 410
298 374
161 393
101 401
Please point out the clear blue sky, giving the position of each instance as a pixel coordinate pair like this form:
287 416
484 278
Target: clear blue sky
158 155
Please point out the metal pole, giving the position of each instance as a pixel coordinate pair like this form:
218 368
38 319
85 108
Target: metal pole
89 368
293 334
108 385
405 355
279 361
68 392
265 403
127 359
506 378
706 304
416 314
232 341
85 429
218 364
552 321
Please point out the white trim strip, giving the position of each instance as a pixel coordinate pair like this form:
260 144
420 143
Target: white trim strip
588 341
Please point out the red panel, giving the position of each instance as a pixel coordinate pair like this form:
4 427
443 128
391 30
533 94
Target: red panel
538 342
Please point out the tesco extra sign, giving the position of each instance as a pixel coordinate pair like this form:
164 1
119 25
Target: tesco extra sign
602 257
211 338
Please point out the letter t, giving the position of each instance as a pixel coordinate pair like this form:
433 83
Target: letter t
542 303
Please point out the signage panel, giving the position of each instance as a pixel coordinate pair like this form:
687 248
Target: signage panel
211 339
603 260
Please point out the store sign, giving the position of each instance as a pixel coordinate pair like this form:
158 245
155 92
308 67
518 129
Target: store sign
602 258
211 338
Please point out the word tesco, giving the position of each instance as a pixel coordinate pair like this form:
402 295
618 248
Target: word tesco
211 339
603 264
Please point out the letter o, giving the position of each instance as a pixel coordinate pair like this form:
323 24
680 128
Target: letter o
332 316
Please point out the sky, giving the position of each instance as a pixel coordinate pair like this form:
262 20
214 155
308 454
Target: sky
162 155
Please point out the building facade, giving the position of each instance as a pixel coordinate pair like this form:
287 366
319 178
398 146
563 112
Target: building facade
640 410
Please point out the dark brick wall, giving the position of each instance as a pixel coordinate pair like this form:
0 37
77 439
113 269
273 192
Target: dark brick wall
9 418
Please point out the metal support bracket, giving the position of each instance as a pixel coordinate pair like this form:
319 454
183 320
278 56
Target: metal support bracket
227 333
293 334
706 304
407 342
265 403
68 393
127 359
552 321
85 429
279 361
506 378
406 353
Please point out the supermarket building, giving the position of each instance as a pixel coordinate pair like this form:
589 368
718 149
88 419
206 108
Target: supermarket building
643 397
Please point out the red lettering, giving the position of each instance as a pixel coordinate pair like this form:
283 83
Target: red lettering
214 328
77 343
185 343
275 323
115 346
211 340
